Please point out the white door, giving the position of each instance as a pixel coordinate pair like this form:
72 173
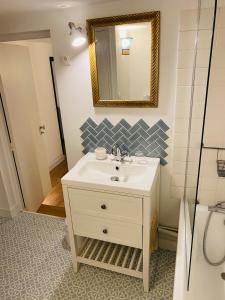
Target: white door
23 119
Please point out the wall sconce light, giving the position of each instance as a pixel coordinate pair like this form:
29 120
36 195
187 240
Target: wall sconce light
77 37
126 45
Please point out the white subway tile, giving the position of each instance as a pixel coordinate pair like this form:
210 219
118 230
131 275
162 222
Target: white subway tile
202 60
185 58
181 125
193 155
206 18
207 197
178 180
198 110
188 20
183 94
201 76
180 154
182 110
187 40
199 93
192 168
177 192
180 140
196 125
184 77
179 167
204 40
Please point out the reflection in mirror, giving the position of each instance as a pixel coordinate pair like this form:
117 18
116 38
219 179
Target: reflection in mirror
123 61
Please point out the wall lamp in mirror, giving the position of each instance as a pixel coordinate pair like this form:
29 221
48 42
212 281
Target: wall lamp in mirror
126 43
78 37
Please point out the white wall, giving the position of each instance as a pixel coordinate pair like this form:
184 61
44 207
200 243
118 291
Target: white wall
74 85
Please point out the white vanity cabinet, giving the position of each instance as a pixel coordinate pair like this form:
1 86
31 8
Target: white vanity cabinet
110 228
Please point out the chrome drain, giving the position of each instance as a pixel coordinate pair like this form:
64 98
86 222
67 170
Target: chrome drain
115 178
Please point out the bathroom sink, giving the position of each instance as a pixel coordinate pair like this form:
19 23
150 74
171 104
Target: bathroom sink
134 177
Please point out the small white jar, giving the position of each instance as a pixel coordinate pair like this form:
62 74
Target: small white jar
100 153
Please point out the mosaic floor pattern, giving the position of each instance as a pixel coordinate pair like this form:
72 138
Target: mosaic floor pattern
36 264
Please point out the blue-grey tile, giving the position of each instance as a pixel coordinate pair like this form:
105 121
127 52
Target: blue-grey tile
162 125
99 127
163 162
85 150
152 146
125 124
107 123
162 153
100 135
116 128
91 122
134 128
141 148
134 145
108 131
162 134
125 141
108 148
84 126
125 132
143 124
143 133
85 134
117 136
92 131
152 138
153 129
143 142
85 142
109 140
101 143
93 139
134 137
161 143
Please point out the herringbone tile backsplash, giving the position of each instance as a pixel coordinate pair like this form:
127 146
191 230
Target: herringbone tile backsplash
140 137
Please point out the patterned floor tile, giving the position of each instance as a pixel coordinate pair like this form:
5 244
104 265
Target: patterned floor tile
35 264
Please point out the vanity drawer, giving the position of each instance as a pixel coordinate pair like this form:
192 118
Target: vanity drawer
105 205
123 233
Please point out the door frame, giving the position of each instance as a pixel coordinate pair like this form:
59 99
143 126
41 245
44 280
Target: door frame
8 168
7 164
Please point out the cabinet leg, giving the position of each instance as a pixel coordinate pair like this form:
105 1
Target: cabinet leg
146 269
76 266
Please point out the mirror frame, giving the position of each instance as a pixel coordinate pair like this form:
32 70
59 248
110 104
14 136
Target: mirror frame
154 18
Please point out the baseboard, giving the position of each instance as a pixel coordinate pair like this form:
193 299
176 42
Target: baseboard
10 213
167 242
56 162
5 213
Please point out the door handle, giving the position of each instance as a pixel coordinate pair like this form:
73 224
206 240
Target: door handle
42 129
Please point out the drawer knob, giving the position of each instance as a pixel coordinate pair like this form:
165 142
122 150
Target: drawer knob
105 231
103 206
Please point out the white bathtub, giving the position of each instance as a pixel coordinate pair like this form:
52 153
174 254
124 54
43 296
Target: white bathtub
205 281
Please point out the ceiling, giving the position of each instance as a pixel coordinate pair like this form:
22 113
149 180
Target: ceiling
17 6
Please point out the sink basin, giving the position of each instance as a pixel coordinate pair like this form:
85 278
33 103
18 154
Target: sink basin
96 170
130 177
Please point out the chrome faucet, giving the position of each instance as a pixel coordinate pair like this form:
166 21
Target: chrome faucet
119 155
219 207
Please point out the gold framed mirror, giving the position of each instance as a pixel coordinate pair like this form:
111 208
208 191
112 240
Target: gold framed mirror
124 60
